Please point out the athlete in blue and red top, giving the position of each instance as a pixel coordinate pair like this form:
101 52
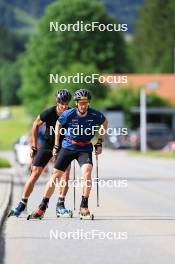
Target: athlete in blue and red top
80 129
80 124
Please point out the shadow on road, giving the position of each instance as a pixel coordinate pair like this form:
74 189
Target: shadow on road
135 218
48 238
22 183
139 178
106 218
2 247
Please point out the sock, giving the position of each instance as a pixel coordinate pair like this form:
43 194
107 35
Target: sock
44 204
21 206
84 202
61 201
24 200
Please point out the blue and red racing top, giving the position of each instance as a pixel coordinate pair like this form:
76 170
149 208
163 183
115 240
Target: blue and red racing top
78 130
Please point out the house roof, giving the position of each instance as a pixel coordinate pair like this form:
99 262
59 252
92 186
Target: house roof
165 83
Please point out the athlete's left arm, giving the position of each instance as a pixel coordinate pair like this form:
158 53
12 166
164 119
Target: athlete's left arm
101 134
102 130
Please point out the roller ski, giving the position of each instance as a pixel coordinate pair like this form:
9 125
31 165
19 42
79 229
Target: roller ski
38 214
14 212
85 214
18 210
61 211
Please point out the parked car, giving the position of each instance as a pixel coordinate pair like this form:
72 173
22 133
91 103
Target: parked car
21 151
158 135
117 142
115 117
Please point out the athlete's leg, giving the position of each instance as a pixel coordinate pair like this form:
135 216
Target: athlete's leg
53 182
87 184
62 163
87 181
85 161
28 187
64 186
40 160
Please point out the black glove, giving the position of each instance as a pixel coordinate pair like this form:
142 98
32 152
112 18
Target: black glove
33 151
97 145
56 149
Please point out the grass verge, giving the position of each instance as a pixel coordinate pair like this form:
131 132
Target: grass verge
4 163
14 127
153 154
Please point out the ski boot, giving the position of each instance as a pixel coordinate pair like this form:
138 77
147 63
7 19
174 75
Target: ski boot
18 210
61 211
85 214
38 214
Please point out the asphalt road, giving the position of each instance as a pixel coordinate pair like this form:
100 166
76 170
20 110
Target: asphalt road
138 211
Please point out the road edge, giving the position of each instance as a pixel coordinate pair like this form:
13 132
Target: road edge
8 198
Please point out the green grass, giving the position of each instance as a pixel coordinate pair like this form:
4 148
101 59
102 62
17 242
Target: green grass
4 163
153 154
14 127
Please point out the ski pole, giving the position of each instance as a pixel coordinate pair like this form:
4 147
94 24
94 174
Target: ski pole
97 180
74 183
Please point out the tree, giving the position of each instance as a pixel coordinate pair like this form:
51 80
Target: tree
20 14
99 91
125 10
9 82
11 46
154 40
54 52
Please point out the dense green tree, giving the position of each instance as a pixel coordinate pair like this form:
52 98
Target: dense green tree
125 10
99 91
20 14
9 82
53 52
154 40
11 45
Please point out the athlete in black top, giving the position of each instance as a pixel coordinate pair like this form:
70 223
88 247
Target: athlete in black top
40 157
44 154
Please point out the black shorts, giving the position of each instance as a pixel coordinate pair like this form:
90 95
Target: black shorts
65 157
44 154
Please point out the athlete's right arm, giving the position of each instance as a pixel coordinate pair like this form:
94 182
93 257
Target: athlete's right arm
36 124
58 126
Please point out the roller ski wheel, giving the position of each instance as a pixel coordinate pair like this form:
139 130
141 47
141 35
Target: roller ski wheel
38 214
85 214
63 212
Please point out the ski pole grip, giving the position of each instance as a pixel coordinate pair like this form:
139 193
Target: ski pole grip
97 145
56 149
34 150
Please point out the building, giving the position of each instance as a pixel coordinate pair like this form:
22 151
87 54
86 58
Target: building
165 87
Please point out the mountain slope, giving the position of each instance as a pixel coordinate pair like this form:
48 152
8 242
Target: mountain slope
17 14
